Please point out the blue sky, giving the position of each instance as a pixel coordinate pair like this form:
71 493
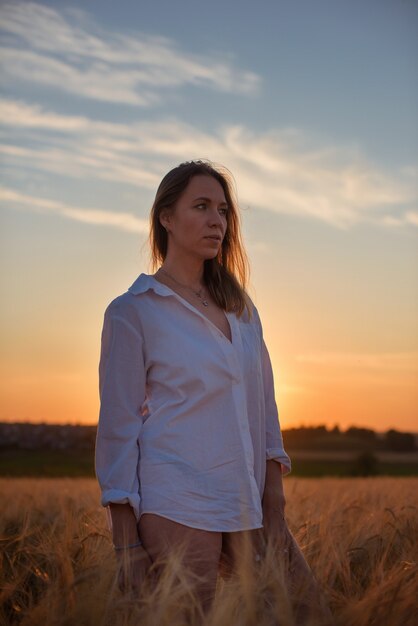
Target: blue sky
311 105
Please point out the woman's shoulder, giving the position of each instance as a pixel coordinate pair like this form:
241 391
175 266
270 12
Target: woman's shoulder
132 306
123 306
128 301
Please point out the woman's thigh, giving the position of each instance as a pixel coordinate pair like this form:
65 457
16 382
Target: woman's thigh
201 548
238 546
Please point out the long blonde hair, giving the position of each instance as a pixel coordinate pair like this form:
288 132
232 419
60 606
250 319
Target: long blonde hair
225 276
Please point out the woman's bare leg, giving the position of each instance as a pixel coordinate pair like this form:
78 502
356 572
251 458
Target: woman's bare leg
234 547
202 550
309 603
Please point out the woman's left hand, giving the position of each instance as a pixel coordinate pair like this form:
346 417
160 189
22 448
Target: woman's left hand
274 521
273 503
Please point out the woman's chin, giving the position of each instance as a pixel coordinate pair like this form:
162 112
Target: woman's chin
208 254
211 255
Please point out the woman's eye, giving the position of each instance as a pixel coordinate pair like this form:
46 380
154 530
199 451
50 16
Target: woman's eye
201 206
223 211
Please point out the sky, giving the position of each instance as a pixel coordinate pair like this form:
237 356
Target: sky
313 108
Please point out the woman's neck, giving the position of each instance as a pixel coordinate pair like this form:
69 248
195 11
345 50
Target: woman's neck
188 273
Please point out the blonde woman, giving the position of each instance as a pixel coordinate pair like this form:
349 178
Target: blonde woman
189 448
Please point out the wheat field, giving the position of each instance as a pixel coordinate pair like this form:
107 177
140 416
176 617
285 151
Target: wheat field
358 535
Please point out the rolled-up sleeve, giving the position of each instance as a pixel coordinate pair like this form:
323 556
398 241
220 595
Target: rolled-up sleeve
274 439
122 394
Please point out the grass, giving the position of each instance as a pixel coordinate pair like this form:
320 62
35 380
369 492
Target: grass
359 536
78 463
318 468
47 463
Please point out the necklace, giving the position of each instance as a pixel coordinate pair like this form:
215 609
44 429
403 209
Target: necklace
199 294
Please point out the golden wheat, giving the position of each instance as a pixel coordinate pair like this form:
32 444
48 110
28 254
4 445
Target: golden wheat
358 535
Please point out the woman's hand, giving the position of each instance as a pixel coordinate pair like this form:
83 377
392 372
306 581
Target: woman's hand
274 521
133 564
274 503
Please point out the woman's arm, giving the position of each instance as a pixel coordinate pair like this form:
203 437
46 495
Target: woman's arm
277 461
133 562
274 440
273 496
124 525
122 393
273 505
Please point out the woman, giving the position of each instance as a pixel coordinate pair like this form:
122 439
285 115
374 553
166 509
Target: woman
189 449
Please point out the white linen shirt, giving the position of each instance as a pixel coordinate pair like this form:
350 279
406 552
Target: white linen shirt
187 418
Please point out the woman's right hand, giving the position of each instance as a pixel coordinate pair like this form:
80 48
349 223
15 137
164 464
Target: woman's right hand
133 564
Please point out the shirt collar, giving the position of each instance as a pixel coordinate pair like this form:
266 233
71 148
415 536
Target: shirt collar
144 282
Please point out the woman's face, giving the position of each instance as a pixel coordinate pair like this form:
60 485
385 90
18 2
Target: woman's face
197 223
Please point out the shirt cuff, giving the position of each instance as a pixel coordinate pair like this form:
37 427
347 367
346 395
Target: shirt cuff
278 454
116 496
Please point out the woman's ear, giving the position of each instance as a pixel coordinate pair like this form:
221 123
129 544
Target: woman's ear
165 219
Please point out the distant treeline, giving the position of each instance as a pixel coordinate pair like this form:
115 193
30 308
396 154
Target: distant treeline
354 438
28 436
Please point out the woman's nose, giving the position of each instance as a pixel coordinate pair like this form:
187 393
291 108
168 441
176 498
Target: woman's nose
215 218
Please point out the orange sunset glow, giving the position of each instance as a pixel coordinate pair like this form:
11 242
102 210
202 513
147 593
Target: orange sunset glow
51 372
318 134
330 398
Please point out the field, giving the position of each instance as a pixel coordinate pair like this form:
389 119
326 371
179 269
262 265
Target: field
359 535
15 462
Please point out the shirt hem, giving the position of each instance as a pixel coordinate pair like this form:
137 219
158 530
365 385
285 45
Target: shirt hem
199 527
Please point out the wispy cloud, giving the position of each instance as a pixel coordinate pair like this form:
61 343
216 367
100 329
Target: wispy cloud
122 221
66 50
412 217
18 114
277 171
